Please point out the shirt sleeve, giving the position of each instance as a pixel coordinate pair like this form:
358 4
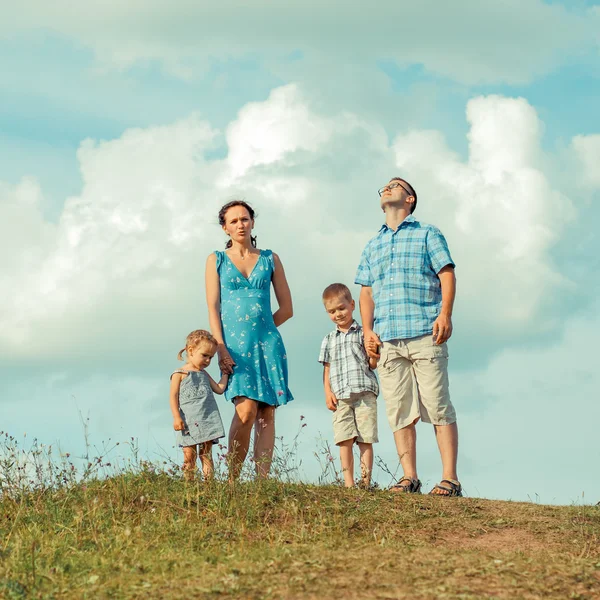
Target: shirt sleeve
325 355
437 249
363 273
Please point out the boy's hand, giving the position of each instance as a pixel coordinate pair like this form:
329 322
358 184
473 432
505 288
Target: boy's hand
178 424
331 401
372 343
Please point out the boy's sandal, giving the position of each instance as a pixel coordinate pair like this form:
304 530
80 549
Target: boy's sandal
413 487
451 490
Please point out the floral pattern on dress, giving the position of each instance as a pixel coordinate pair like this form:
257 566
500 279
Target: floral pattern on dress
250 334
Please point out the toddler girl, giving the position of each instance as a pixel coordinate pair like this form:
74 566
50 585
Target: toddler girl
196 417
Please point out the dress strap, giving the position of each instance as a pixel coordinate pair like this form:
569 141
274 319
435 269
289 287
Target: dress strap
179 371
268 254
219 255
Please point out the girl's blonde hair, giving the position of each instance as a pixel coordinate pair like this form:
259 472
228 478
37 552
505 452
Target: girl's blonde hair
194 339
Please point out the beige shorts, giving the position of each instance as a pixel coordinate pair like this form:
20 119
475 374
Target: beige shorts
413 376
356 417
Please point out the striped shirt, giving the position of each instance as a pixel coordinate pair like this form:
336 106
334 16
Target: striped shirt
349 371
402 268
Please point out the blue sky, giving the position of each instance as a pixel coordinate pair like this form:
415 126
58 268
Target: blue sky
123 130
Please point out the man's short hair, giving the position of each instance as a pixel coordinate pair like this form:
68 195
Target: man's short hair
412 191
335 290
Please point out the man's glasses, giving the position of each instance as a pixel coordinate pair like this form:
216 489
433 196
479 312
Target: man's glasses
393 186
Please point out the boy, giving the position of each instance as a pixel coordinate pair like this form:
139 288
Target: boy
351 387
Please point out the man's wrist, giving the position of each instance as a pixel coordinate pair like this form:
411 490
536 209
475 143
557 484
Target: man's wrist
446 313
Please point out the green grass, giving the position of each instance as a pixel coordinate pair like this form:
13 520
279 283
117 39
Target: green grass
150 535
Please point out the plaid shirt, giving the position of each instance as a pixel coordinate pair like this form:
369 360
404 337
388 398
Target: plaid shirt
349 371
402 266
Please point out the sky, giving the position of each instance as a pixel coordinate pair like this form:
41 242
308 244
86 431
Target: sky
124 128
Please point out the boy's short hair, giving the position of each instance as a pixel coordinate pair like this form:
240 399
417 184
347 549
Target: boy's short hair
335 290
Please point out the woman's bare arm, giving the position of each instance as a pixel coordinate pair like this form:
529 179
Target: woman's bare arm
282 293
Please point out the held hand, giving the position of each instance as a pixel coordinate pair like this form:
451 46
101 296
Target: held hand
331 401
226 363
442 329
372 343
178 424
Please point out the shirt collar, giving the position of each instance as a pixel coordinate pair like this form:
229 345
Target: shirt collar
409 219
353 327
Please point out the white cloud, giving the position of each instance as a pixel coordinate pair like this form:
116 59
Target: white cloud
481 42
587 152
125 261
498 209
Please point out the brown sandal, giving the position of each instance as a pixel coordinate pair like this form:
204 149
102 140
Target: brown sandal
413 487
454 489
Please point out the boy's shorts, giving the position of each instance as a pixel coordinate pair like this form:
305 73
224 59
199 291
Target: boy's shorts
413 375
356 417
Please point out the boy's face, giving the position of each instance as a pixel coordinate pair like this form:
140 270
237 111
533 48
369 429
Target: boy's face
340 310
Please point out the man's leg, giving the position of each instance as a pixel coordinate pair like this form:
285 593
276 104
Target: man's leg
430 365
447 439
402 408
406 446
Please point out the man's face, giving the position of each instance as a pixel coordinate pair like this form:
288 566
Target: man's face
394 192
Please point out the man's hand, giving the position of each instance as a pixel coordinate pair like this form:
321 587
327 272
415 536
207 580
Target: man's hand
331 401
442 329
178 424
372 343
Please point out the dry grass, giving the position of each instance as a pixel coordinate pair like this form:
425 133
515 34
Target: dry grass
150 535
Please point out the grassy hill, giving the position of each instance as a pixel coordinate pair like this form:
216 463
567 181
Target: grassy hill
150 535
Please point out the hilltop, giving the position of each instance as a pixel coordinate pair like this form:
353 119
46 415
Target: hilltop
150 535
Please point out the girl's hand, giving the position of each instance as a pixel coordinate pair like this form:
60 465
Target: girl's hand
178 424
226 363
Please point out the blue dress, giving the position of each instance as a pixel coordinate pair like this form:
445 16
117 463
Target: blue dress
198 409
250 334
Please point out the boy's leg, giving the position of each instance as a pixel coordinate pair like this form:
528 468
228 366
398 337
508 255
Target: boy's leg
366 463
347 460
206 460
189 462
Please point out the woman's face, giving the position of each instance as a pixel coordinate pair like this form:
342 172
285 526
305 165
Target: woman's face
238 224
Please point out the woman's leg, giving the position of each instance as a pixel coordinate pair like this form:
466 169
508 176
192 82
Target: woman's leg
190 455
264 439
206 460
239 434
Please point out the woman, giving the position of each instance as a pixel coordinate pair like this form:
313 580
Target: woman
238 293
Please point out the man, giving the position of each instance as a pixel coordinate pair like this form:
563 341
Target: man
408 288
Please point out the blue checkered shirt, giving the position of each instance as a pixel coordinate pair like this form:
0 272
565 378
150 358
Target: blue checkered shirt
401 267
349 371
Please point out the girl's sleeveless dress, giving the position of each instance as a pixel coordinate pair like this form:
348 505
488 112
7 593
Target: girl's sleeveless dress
250 334
198 409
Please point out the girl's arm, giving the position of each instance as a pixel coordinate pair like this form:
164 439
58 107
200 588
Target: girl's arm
176 378
219 388
282 293
213 302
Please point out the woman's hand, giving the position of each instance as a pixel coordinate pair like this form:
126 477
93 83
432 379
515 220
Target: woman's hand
226 363
178 424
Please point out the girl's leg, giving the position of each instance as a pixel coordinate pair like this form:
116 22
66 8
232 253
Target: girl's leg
190 455
347 460
239 434
366 463
264 439
206 460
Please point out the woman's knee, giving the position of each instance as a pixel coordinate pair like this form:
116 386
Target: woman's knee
246 411
266 413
